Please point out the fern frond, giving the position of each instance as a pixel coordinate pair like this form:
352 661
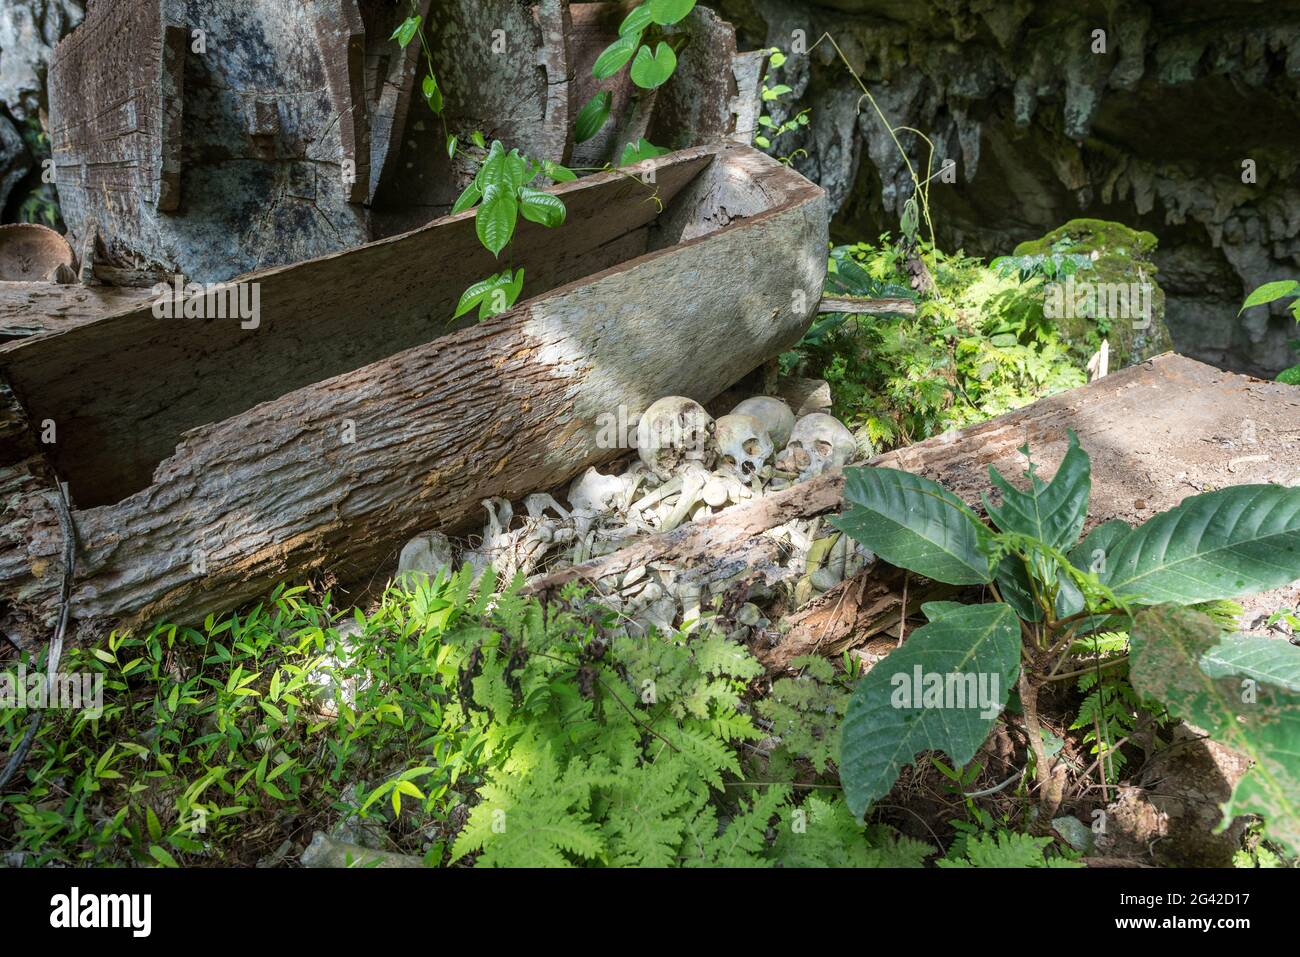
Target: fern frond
1007 849
742 841
535 819
822 832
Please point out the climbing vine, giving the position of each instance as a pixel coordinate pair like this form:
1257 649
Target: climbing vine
653 56
505 183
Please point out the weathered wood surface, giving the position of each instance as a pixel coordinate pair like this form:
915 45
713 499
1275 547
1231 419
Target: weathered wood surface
863 612
32 253
116 424
303 124
266 105
336 475
31 310
867 307
1156 433
390 80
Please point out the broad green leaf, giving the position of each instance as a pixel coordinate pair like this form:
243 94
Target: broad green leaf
962 666
1092 554
1289 376
492 295
636 21
472 296
492 169
1271 292
507 170
471 195
539 207
1168 663
642 149
405 31
452 142
1013 583
432 95
503 295
934 610
650 70
161 855
1052 512
911 219
592 116
665 12
1268 660
558 173
915 523
495 220
613 57
1234 541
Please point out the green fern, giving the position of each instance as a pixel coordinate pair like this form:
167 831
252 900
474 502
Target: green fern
806 711
823 833
535 818
1111 710
1008 849
741 841
644 816
621 750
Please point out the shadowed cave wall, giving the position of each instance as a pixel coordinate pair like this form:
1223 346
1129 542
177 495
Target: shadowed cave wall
1152 133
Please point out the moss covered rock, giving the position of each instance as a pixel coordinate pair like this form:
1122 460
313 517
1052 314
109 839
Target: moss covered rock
1114 295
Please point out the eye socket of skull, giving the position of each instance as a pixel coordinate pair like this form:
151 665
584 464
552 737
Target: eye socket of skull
752 446
823 448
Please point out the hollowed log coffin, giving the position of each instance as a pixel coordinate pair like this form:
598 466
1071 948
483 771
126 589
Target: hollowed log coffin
207 459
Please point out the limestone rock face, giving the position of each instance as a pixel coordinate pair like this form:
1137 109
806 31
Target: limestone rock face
1153 132
29 29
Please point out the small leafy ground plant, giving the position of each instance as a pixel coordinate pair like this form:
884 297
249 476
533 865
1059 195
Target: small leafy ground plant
1058 606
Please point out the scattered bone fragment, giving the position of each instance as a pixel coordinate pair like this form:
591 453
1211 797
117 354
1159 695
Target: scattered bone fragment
324 851
594 494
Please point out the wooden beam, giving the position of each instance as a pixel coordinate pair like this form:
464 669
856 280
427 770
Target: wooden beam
867 307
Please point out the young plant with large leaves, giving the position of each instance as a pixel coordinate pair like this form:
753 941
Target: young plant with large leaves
1048 593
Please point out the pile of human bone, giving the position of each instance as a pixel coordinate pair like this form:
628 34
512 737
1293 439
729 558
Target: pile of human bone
688 466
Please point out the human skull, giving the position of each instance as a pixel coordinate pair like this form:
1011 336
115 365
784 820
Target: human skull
426 555
817 442
774 414
743 444
673 431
